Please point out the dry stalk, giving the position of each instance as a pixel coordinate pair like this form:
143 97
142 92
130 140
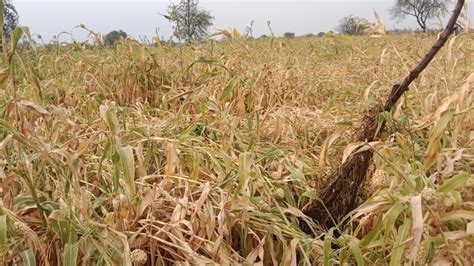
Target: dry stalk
338 198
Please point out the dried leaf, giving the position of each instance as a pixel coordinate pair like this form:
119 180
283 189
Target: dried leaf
417 215
5 141
324 155
36 107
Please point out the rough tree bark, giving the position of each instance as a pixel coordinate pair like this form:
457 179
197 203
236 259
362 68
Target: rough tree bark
338 198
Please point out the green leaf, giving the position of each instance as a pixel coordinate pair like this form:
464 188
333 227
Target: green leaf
3 234
354 246
107 150
326 250
28 258
109 114
228 88
374 234
454 183
434 146
431 252
391 217
128 165
2 22
70 254
17 33
399 247
195 166
206 61
345 123
2 9
309 195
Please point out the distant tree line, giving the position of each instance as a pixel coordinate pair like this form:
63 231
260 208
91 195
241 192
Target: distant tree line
191 23
420 10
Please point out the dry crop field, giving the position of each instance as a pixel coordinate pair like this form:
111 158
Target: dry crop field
206 154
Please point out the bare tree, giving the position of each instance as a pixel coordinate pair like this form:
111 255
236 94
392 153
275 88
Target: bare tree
421 10
191 23
349 25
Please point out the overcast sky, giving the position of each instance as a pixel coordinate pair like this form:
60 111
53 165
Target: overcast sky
142 18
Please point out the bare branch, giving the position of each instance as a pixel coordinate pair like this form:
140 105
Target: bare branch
421 10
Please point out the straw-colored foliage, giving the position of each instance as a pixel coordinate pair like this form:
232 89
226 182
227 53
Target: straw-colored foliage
206 154
372 28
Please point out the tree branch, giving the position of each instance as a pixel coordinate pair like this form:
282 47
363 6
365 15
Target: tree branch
399 89
338 198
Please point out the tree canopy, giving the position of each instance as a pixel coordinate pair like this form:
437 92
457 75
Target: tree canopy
10 17
421 10
190 22
349 25
114 36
